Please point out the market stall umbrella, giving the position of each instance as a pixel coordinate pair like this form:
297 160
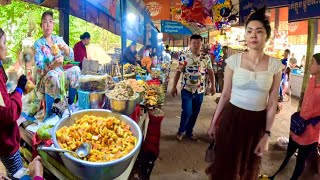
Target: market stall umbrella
96 52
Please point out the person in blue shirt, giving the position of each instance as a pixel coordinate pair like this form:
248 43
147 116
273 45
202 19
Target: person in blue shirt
284 61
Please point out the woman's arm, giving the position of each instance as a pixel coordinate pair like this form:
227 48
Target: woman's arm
225 96
273 101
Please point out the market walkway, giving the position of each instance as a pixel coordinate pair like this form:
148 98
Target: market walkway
185 159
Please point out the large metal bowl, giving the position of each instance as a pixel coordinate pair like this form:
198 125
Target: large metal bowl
97 170
125 107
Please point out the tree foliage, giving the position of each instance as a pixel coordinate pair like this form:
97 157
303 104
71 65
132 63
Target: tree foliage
20 20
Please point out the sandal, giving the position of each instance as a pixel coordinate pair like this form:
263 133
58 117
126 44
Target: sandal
179 136
193 137
264 177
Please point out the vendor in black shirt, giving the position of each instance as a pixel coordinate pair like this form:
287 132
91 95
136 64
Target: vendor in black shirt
130 54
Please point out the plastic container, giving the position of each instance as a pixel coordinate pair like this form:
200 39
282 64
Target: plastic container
154 82
94 83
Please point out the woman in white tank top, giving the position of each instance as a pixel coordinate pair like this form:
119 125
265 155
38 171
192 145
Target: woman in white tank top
247 107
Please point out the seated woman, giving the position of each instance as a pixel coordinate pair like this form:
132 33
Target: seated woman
50 51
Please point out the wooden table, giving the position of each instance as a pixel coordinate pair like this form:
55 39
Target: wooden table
53 162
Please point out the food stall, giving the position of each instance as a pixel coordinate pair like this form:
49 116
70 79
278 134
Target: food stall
137 96
95 94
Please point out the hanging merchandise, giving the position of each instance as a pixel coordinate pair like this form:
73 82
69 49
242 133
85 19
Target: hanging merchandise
187 3
225 12
221 9
194 14
208 4
233 19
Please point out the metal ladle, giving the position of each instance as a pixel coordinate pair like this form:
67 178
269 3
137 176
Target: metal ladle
82 151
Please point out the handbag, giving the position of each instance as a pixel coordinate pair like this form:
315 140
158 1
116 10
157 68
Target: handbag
299 125
210 153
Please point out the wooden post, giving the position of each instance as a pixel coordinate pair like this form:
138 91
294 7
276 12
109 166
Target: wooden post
64 9
276 19
311 42
123 12
173 45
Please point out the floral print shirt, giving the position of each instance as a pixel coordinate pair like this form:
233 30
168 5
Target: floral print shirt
193 69
43 54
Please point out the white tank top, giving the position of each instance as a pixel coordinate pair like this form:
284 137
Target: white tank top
250 89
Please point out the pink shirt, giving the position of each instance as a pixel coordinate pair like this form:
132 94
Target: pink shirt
310 108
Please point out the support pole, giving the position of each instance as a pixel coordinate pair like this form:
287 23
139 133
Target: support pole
64 9
311 42
277 19
123 11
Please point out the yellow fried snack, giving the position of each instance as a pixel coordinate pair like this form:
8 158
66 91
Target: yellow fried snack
110 138
55 49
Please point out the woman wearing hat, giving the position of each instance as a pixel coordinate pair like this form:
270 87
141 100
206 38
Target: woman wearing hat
80 52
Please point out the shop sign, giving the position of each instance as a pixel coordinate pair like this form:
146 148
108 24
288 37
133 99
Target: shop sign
247 5
173 27
277 3
154 8
159 9
303 9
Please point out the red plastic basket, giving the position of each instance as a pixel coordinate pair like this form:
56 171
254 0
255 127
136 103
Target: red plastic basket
154 82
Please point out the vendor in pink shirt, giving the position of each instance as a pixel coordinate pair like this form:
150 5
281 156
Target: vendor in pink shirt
308 141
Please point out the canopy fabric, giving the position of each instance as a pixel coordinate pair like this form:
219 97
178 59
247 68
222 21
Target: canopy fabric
96 52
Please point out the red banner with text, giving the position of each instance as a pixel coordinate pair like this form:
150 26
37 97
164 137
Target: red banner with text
159 9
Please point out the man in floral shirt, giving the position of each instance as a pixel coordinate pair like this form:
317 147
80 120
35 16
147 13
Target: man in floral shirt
193 67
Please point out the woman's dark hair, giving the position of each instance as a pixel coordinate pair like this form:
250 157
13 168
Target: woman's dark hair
288 71
317 58
260 15
85 35
287 50
46 13
1 33
148 47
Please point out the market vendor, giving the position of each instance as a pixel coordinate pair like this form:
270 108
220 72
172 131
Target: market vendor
130 54
80 51
50 51
10 110
146 63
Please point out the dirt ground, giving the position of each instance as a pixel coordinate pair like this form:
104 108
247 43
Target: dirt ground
185 159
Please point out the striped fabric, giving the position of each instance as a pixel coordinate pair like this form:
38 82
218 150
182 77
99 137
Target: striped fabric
12 163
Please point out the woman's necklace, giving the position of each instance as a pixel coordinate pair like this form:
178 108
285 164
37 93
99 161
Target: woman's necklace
259 60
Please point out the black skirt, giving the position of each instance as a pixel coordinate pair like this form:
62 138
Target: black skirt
238 134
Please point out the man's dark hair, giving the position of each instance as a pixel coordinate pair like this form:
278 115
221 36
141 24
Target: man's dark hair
225 47
167 46
195 36
287 50
260 15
